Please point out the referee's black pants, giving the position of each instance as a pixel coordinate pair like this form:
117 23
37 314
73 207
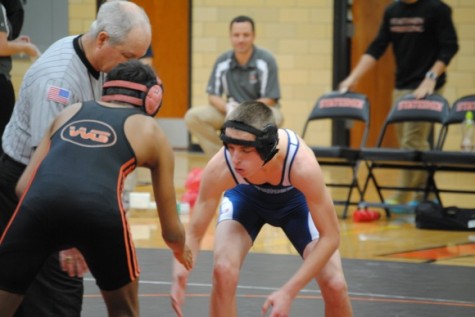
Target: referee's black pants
53 293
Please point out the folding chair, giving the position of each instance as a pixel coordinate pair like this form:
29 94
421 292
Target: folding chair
337 106
440 160
432 109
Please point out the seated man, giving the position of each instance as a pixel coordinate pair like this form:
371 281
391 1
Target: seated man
244 73
71 192
268 176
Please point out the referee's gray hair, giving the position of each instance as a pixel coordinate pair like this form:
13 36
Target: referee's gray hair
118 18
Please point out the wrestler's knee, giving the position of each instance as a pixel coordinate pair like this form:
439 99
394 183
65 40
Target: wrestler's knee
225 274
333 287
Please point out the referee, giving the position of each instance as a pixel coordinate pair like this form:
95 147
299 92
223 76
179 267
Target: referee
71 70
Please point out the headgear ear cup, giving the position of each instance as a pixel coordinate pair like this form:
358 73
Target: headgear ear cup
153 99
150 95
265 143
268 142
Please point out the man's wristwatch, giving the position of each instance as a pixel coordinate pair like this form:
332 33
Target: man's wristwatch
431 75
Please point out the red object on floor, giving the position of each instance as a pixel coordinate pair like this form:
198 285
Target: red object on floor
189 197
365 215
192 186
193 179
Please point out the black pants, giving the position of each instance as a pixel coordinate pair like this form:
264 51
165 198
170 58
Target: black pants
7 101
53 293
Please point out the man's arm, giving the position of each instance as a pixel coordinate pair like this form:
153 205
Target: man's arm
448 47
365 63
154 152
218 102
17 46
214 87
43 147
42 95
16 15
306 176
36 159
427 85
446 35
214 181
270 85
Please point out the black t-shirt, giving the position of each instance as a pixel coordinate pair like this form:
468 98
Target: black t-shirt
421 33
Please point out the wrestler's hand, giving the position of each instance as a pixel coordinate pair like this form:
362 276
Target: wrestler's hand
280 301
73 263
177 295
178 290
185 257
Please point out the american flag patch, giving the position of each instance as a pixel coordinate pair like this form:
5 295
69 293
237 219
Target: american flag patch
58 94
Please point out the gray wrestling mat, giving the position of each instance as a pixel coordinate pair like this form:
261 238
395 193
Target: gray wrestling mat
377 288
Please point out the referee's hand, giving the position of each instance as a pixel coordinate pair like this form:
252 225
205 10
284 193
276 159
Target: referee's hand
73 263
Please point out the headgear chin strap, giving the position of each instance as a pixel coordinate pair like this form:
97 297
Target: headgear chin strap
265 143
150 95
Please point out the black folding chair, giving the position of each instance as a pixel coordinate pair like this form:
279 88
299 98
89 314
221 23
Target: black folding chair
337 106
440 160
432 109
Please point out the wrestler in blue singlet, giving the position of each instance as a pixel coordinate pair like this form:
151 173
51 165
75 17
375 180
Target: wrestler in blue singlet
281 205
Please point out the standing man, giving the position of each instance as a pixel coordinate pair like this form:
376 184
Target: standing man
246 72
11 22
268 175
71 70
424 41
72 188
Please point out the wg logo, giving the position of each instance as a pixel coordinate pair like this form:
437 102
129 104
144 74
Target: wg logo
89 133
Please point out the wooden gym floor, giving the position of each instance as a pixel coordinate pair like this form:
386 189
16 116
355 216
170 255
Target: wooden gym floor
392 268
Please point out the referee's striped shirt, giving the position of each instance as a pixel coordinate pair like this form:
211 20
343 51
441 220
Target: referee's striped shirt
60 77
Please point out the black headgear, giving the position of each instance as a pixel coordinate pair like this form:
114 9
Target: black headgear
265 143
150 94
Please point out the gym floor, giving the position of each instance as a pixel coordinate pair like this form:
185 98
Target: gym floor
392 268
376 288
